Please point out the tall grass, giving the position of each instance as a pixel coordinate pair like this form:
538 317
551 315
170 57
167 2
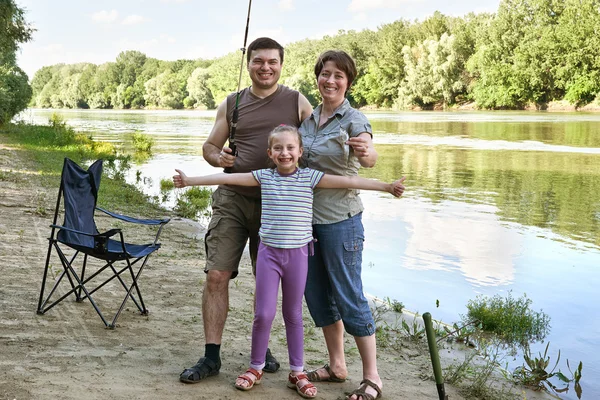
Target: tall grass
46 146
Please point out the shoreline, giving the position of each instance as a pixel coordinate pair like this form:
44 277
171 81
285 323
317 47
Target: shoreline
560 106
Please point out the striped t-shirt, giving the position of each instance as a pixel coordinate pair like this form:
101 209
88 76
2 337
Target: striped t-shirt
286 220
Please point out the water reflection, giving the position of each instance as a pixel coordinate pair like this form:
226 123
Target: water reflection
560 191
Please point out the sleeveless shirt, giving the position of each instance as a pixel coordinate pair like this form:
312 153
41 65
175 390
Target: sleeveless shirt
256 119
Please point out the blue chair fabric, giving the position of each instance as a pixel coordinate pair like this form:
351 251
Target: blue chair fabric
79 193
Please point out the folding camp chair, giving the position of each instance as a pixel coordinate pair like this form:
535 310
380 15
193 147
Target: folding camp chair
79 190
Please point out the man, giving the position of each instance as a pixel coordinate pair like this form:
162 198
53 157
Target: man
236 210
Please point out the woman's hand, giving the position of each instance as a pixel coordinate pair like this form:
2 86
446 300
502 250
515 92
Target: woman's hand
397 187
180 180
360 145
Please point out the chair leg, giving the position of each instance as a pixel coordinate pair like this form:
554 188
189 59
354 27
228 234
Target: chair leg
134 284
78 293
41 300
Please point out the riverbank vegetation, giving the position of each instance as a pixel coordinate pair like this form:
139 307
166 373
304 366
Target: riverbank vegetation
527 53
46 147
493 330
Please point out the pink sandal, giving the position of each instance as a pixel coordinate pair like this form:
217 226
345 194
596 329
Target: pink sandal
294 383
251 382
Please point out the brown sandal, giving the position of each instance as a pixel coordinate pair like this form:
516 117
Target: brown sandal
294 383
250 371
314 376
362 390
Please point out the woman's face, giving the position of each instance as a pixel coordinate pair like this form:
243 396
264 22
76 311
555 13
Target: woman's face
332 83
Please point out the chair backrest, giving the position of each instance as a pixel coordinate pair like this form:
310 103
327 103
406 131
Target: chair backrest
80 194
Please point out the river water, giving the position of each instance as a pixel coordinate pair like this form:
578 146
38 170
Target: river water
495 202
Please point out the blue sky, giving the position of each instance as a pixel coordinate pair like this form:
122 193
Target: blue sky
71 31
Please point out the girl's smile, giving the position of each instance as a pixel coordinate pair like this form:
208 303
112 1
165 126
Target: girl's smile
285 151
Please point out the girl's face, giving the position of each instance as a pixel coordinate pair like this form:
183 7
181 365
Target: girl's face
285 151
332 83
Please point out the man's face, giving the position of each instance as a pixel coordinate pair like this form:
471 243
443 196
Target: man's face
264 68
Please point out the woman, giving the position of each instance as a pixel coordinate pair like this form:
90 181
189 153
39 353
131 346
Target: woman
338 140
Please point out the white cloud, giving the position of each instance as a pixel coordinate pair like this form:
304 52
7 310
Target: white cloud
287 5
105 16
134 19
363 5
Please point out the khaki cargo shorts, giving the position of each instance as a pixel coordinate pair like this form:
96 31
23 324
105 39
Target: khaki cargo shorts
235 219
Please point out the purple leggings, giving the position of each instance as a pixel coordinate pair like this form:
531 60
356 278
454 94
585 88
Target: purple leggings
290 266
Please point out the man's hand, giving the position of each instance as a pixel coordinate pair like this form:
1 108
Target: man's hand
226 158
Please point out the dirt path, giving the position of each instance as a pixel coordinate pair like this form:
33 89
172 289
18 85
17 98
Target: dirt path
68 354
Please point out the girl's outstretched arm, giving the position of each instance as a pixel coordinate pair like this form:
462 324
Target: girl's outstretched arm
182 180
356 182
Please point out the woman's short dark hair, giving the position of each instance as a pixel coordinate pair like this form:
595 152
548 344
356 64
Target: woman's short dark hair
341 60
264 43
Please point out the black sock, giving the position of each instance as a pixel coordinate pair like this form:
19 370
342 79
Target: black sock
212 351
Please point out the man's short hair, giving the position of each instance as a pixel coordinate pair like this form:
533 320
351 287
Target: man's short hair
341 59
264 43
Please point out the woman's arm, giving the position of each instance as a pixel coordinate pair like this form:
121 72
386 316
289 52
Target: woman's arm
363 149
356 182
182 180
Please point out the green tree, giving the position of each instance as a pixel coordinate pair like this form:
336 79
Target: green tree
165 91
14 29
433 73
199 92
517 56
129 92
224 74
578 73
15 92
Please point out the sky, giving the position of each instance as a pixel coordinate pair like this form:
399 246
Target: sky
72 31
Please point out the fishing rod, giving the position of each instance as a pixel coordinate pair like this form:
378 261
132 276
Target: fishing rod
234 118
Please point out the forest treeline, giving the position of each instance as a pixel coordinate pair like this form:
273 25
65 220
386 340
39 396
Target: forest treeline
528 52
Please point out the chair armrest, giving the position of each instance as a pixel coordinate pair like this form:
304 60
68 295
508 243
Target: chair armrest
134 220
100 239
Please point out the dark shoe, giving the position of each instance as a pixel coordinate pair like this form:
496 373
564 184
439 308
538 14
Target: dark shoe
314 376
271 363
204 368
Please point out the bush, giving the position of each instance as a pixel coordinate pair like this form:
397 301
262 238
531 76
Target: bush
511 319
166 184
142 143
193 202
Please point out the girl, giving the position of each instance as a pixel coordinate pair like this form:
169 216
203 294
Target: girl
286 241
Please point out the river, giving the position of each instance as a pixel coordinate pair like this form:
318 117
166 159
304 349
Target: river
495 202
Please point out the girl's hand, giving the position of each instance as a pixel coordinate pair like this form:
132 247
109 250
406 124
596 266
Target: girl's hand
360 146
180 180
397 187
